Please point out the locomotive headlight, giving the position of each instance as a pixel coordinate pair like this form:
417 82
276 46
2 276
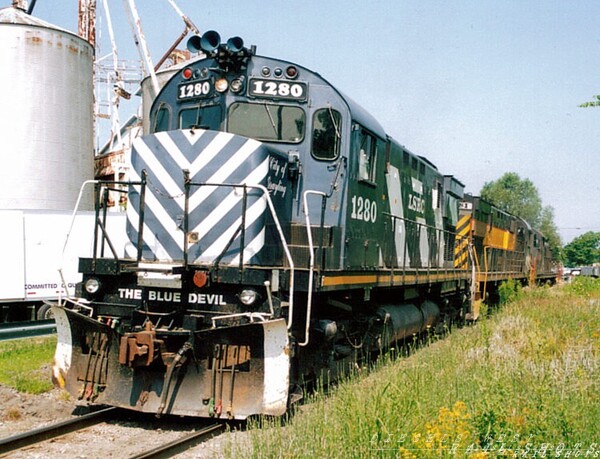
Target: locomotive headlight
92 285
237 85
248 297
221 85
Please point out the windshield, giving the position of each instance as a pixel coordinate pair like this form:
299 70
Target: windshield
207 117
273 123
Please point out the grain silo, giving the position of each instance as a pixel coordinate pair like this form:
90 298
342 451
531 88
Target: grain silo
46 113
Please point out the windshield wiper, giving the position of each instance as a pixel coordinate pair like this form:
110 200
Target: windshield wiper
272 120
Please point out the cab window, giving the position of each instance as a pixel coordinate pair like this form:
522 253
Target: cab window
161 119
326 134
267 122
208 117
367 156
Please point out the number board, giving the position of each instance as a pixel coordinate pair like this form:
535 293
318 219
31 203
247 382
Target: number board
195 90
276 89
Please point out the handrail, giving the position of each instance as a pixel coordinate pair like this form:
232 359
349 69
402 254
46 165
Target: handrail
485 264
311 261
142 183
474 270
97 224
141 216
440 232
284 244
262 316
68 236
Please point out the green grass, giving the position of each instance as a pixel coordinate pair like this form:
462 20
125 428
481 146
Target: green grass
524 381
25 364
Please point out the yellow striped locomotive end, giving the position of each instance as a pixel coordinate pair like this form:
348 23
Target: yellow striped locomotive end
461 248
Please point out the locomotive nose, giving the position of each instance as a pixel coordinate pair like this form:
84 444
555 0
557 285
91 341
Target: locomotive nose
226 202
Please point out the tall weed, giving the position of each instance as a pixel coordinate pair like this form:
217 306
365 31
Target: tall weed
509 291
525 381
584 286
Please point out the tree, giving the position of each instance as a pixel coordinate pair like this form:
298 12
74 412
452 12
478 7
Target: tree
583 250
550 231
520 197
594 103
515 196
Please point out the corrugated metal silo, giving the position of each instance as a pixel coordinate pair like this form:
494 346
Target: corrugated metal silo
46 113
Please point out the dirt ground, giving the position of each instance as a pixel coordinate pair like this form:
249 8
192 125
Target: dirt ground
22 412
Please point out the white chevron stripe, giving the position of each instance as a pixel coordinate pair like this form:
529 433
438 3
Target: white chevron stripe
208 154
171 187
149 239
162 215
135 177
254 212
224 171
193 135
166 141
251 249
233 198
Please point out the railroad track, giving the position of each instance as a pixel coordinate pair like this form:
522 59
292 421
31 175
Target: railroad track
182 444
32 437
26 329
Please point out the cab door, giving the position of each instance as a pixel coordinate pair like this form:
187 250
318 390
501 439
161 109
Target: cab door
365 200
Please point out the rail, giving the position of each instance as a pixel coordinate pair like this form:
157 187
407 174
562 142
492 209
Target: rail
32 437
26 329
182 444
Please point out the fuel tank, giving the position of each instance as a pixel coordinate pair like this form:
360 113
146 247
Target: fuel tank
404 320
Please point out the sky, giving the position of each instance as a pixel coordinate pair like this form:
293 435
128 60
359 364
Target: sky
479 87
